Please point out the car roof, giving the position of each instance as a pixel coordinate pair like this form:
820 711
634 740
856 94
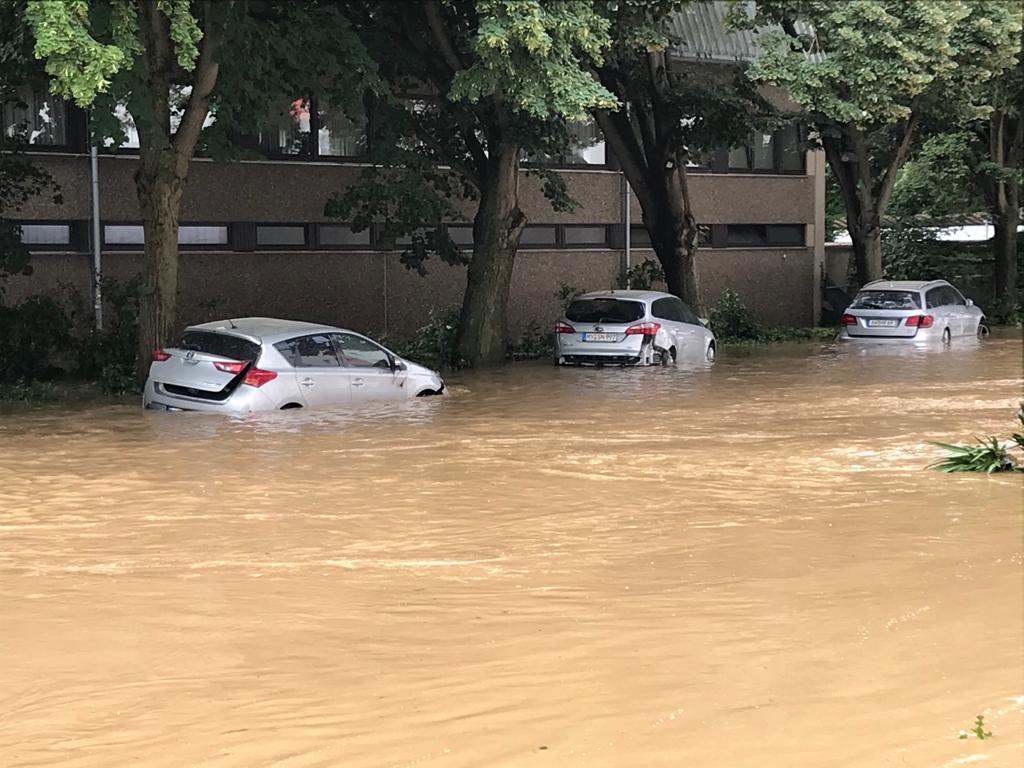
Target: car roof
631 295
902 285
263 329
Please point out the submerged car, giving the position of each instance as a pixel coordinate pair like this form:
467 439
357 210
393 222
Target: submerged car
630 328
261 364
911 310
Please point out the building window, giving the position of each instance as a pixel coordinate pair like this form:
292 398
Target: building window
539 236
762 235
288 132
778 152
195 234
342 235
277 234
580 235
46 234
39 119
461 234
589 146
123 234
338 135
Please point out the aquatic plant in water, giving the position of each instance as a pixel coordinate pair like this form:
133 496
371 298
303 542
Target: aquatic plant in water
988 455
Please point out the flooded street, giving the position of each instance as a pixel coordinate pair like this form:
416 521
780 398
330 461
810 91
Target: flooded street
744 565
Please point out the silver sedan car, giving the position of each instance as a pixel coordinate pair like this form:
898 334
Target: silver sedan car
910 310
260 364
631 328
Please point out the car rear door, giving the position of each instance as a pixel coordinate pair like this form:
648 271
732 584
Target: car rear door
697 336
936 301
958 306
668 312
370 368
207 365
319 374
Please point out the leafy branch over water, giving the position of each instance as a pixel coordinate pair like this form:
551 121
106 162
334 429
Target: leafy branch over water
988 455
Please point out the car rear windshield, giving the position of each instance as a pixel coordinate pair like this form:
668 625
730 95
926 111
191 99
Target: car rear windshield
604 310
887 300
221 344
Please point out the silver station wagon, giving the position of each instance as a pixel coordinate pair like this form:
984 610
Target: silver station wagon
910 310
260 364
631 328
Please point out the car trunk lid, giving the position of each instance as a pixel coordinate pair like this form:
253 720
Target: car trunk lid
204 363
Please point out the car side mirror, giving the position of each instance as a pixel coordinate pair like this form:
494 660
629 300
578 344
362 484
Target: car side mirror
397 365
970 302
706 322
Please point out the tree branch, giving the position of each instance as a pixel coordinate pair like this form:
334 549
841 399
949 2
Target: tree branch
889 179
203 83
435 22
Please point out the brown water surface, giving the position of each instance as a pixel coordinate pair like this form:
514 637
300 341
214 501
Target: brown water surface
737 566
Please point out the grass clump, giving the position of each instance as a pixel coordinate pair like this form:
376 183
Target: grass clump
987 455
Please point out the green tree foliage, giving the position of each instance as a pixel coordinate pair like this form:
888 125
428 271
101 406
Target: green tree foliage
473 85
673 114
175 64
867 71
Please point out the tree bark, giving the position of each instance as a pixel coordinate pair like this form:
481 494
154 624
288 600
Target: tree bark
497 226
1005 223
863 221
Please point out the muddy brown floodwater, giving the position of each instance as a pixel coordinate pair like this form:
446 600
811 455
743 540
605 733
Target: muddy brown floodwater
737 566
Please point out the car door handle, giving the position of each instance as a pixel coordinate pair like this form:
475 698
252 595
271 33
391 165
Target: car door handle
308 383
357 382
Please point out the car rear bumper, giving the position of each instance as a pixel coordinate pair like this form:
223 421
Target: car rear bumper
922 336
629 351
242 400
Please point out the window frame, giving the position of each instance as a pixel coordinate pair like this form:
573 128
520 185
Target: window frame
720 161
75 235
388 354
292 361
304 246
141 246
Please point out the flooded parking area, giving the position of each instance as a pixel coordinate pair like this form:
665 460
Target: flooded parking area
743 564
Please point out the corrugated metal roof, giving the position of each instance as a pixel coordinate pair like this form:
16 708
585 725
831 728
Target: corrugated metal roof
704 34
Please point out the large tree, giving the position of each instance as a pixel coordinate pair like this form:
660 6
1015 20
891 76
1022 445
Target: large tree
866 72
672 114
163 60
474 84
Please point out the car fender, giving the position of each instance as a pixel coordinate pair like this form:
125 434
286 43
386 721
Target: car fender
663 339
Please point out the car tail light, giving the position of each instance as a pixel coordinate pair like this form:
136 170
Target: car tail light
849 320
564 328
159 355
647 329
232 367
257 377
920 321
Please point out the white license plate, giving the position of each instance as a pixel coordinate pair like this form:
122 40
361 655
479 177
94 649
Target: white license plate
600 336
883 323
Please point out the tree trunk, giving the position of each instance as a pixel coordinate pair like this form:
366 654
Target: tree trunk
674 243
1005 223
867 251
496 229
159 189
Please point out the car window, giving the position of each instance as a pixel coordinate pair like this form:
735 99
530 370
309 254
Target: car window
936 297
358 352
887 300
604 310
220 344
686 315
315 351
955 297
666 309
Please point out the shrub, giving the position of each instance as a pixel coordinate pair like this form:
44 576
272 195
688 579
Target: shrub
988 455
534 344
436 342
642 276
108 356
566 293
731 320
32 334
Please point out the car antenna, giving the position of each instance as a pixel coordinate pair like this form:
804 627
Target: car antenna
232 323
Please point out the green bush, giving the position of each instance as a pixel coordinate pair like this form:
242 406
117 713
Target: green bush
108 357
731 320
435 343
986 455
642 276
535 343
33 333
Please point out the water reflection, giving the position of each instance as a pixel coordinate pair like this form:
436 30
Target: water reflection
652 567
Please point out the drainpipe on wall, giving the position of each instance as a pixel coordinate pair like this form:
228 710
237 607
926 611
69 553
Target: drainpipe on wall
626 225
97 266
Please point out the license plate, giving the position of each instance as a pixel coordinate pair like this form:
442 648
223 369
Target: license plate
600 336
883 323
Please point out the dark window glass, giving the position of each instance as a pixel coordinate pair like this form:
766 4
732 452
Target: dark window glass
687 315
739 159
37 118
339 135
785 234
581 235
274 234
315 351
639 237
604 310
664 309
955 297
221 344
342 234
764 152
704 234
746 234
461 234
791 156
539 235
358 352
887 300
288 132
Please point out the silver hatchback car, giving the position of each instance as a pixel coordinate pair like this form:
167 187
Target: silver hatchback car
910 310
630 328
260 364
